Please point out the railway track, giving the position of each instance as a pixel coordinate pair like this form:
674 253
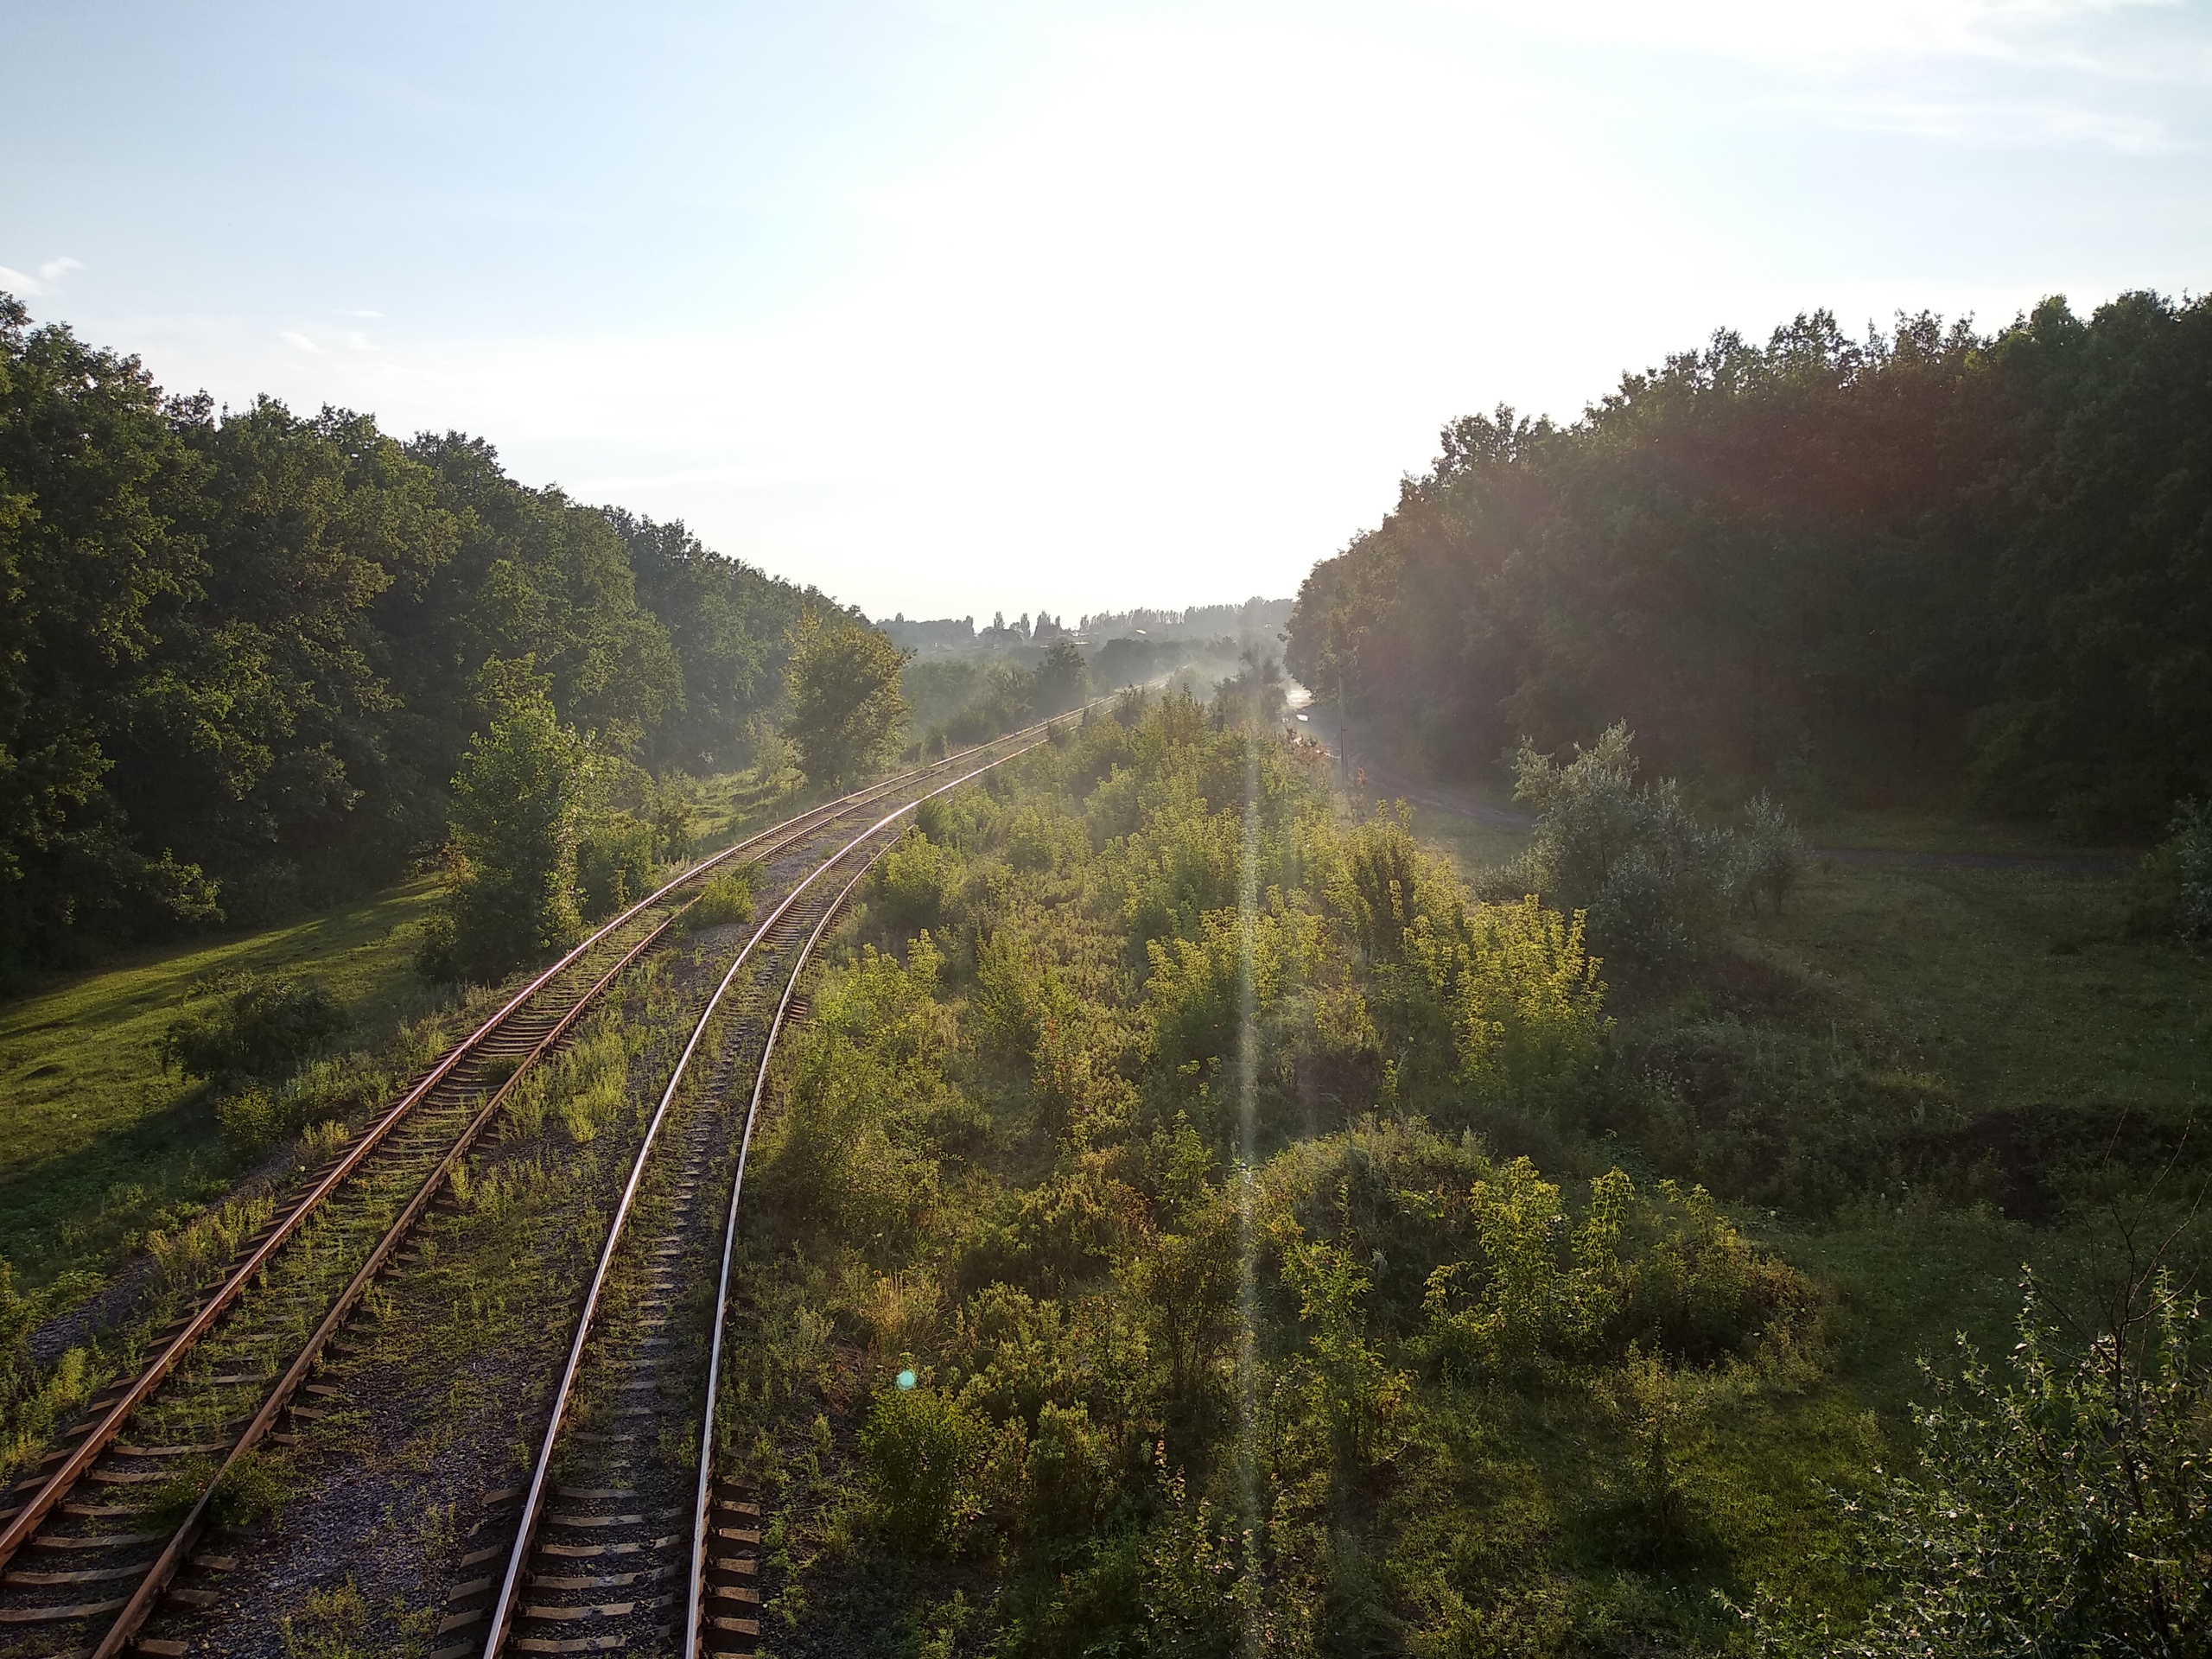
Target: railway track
96 1539
623 1540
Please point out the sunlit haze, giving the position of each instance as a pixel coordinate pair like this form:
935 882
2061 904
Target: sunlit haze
952 307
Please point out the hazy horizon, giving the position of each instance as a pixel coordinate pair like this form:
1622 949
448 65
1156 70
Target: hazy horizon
955 308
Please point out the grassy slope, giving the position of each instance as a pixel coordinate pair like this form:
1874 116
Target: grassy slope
97 1142
95 1138
2019 989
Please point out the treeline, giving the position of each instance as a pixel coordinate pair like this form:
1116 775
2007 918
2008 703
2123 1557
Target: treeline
964 700
1255 616
242 656
1938 566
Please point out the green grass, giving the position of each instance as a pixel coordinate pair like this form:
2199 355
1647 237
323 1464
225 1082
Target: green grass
98 1143
2018 990
96 1139
1474 848
2019 986
2019 996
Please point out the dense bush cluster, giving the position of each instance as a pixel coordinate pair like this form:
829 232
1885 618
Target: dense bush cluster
966 700
1139 1128
261 1029
2061 1511
1880 568
1656 881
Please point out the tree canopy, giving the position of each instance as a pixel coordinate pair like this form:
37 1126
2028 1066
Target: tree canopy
241 653
847 709
1930 560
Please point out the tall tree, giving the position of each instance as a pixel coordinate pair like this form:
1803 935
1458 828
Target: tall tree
511 887
847 711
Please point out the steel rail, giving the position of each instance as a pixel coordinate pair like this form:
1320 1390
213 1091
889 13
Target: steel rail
503 1607
156 1581
695 1593
157 1578
19 1525
23 1522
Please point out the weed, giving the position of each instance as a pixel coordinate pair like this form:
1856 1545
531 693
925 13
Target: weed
251 1491
163 1505
331 1623
188 1256
724 899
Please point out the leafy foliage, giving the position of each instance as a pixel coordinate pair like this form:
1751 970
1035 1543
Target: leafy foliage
1655 881
1880 568
512 884
240 655
2061 1512
1093 1130
262 1028
722 899
847 711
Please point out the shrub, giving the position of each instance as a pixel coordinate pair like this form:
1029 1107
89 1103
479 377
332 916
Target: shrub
1067 1474
1770 853
1385 880
920 1454
2062 1513
615 865
2191 848
1528 1002
264 1029
916 880
1655 882
1667 1277
723 898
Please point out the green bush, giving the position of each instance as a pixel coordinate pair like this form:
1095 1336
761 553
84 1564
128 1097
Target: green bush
1656 883
921 1452
510 881
724 899
616 865
1529 1001
264 1028
1770 853
2062 1513
1066 1476
2192 843
1666 1275
916 878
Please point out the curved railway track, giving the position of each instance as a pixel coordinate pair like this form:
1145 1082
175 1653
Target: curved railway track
622 1541
81 1566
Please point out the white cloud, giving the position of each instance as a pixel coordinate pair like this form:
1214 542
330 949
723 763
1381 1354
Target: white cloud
49 276
300 342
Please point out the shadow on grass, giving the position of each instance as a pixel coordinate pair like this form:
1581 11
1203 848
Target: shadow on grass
96 1201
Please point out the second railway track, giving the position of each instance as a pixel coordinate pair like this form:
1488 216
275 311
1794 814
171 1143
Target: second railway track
623 1540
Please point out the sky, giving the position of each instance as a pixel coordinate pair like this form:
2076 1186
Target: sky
955 305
